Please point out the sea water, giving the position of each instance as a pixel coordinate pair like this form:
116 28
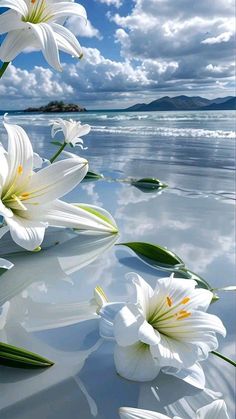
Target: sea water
194 153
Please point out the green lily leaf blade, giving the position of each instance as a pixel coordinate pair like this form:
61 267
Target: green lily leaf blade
57 143
93 176
186 273
13 356
155 255
148 183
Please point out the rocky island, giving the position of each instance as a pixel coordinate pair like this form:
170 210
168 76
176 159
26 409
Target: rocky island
57 106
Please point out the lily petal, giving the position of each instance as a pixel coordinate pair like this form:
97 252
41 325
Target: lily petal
174 353
4 211
56 180
194 326
26 233
15 42
148 335
84 130
194 375
20 157
48 43
3 166
9 21
99 212
131 413
136 363
62 214
143 292
66 41
126 325
19 6
214 410
108 313
64 9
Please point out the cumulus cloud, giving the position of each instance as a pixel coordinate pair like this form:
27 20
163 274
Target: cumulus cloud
81 28
223 37
186 33
116 3
97 81
166 47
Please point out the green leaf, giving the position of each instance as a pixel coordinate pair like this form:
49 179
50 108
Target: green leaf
186 273
160 257
148 183
13 356
155 255
93 175
57 143
97 213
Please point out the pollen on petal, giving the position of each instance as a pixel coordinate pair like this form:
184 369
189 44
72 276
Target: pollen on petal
169 301
20 169
185 300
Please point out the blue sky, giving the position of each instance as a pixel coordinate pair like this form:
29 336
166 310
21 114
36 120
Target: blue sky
134 51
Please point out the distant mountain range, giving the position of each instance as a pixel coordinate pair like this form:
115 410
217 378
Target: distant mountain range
186 103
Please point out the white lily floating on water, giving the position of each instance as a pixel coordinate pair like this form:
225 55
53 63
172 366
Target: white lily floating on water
29 200
72 131
214 410
39 24
166 329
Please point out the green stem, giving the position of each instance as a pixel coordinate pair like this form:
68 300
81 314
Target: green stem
230 361
3 68
58 153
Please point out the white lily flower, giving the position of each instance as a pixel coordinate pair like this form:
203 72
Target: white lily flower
214 410
39 24
72 131
29 200
167 328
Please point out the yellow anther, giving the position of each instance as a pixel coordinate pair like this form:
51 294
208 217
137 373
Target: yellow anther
185 300
33 1
183 315
20 169
25 195
169 301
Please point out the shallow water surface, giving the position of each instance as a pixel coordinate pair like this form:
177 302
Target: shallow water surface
193 152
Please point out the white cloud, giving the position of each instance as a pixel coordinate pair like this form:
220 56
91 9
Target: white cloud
79 28
178 32
116 3
223 37
40 82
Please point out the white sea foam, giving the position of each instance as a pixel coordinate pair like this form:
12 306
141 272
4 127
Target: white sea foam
165 131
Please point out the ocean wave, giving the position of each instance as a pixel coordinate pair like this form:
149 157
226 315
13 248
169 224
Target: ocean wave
165 131
167 116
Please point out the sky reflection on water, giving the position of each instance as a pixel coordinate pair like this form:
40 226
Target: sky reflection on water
49 292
